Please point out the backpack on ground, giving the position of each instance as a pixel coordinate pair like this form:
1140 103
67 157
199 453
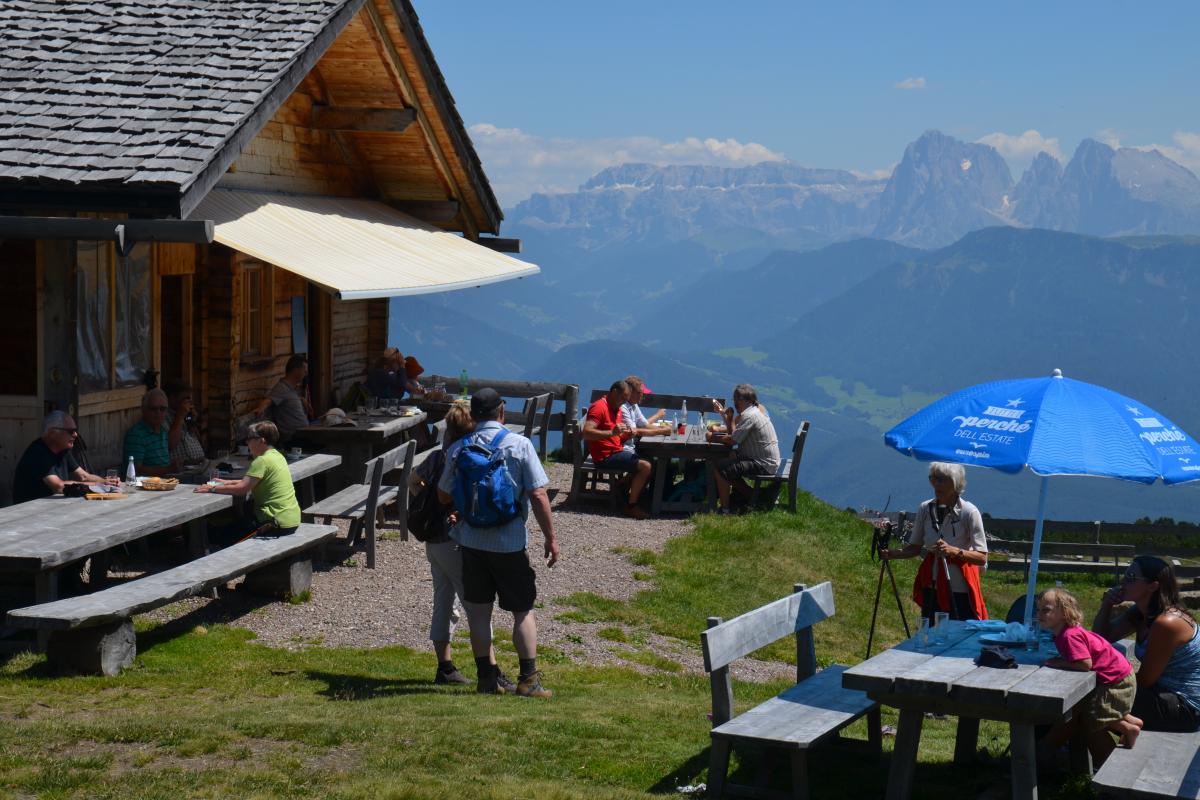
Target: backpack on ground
426 514
484 491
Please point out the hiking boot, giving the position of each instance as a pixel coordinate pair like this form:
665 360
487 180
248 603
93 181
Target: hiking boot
531 686
451 677
504 683
636 511
498 683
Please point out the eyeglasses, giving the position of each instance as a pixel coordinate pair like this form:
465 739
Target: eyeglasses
939 479
252 437
1132 577
68 431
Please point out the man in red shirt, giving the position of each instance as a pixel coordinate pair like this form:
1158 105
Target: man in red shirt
604 431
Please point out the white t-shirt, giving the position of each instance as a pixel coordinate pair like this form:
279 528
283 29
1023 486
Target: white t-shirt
962 527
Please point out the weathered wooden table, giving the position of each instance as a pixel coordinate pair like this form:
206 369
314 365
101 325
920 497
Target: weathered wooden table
945 680
303 470
42 536
691 446
370 435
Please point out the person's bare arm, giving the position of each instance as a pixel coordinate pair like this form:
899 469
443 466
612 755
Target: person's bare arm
539 503
1167 633
238 488
1082 665
1113 627
81 475
908 551
591 433
959 555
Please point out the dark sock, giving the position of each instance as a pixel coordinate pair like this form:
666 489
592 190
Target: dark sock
484 667
446 667
528 667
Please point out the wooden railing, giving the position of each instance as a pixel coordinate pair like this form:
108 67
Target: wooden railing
566 393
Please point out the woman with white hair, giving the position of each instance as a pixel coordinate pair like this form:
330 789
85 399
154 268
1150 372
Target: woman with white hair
948 533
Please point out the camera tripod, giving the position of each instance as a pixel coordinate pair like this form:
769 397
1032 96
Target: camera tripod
879 543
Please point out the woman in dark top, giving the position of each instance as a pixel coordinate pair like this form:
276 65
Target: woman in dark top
1167 644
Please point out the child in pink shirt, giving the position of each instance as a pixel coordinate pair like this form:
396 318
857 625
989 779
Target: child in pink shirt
1107 707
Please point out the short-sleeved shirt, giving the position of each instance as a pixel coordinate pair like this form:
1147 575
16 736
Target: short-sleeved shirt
289 409
188 450
526 470
37 462
604 419
632 415
755 437
147 446
274 494
1075 643
962 527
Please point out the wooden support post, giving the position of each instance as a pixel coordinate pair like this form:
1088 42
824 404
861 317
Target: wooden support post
288 578
100 650
1024 762
806 652
722 688
904 755
966 738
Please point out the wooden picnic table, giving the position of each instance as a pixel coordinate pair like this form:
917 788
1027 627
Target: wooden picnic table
691 446
944 679
303 470
43 535
370 435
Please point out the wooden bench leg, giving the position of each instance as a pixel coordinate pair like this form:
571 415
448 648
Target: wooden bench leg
100 650
289 578
45 590
966 739
1081 757
800 774
718 767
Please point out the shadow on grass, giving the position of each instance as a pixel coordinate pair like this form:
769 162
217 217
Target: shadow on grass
227 609
359 687
686 774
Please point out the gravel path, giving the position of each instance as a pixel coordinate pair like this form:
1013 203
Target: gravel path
353 606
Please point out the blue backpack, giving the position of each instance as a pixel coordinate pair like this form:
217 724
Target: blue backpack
484 491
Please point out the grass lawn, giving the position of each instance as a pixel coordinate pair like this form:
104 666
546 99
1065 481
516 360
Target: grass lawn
211 714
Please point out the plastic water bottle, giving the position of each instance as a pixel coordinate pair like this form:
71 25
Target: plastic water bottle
463 382
130 472
683 411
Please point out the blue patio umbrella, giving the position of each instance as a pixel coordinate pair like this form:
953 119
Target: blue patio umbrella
1054 426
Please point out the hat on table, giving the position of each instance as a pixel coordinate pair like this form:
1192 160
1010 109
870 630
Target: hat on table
484 402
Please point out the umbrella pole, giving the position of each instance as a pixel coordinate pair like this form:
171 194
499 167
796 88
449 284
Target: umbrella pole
1037 550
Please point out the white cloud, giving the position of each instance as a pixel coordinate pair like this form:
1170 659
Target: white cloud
1019 150
519 163
911 83
1110 137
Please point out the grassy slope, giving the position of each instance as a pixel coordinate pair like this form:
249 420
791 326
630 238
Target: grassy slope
213 715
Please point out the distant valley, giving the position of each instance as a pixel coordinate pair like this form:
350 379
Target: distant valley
854 302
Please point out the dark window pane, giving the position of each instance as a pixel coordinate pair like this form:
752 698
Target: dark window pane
91 331
134 345
18 317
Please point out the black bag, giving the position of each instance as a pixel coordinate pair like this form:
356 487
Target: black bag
996 656
426 514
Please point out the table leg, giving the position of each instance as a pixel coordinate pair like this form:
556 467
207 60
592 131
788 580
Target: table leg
197 538
1024 762
966 740
1081 758
660 477
710 486
45 590
904 755
305 492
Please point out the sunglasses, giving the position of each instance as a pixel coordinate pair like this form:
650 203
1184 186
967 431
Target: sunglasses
69 431
252 438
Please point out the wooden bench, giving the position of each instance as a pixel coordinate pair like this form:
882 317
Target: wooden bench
1158 765
786 474
1116 557
93 633
586 477
360 503
534 420
815 709
671 402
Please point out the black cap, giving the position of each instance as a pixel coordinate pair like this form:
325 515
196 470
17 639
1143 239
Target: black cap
484 402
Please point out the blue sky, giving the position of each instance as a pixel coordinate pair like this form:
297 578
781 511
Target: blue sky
555 91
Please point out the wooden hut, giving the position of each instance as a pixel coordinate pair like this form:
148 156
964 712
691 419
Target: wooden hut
204 188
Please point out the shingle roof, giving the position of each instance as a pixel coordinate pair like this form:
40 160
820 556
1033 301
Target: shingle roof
129 95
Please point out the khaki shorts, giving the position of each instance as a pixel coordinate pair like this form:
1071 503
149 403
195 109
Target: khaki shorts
1108 703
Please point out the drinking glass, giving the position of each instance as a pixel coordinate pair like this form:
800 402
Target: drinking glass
1032 640
222 455
362 411
923 634
941 622
373 404
112 477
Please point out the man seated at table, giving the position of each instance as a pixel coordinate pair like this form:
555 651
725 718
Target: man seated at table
182 441
753 436
47 465
146 441
292 411
631 414
604 432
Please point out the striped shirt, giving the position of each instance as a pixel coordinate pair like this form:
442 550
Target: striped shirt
527 473
147 447
755 437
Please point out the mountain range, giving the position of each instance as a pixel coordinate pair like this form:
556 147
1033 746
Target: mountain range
852 302
941 190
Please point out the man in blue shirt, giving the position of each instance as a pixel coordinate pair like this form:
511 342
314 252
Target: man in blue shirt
495 561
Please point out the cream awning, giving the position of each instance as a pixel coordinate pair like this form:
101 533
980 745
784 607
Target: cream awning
357 249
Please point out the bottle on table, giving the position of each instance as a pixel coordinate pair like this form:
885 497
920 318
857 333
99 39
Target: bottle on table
463 382
681 428
130 472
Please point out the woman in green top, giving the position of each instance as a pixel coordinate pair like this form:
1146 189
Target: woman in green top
268 480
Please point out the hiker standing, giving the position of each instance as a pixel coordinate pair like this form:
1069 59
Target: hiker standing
492 478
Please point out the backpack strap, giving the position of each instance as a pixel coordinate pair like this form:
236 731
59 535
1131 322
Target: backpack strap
499 437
